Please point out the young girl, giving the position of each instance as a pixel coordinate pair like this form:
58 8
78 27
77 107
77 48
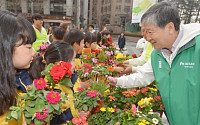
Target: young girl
59 51
90 41
16 38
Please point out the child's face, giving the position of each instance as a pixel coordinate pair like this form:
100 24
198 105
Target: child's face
93 45
23 56
73 62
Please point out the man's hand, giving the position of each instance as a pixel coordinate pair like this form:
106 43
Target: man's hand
127 70
119 69
112 81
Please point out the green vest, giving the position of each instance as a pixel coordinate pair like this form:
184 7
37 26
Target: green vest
179 85
41 37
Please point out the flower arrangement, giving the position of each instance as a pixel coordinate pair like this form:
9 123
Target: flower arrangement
157 104
39 104
87 55
86 99
58 73
106 116
131 117
86 71
42 48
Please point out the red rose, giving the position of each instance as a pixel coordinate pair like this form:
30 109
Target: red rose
57 72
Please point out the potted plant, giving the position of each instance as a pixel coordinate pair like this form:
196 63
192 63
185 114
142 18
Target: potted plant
39 104
86 99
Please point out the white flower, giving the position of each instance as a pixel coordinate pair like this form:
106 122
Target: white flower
155 120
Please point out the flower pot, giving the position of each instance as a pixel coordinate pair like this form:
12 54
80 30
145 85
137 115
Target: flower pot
99 106
85 83
160 113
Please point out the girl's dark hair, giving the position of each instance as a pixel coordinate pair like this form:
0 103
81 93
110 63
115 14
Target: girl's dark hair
57 51
104 40
90 38
12 29
74 36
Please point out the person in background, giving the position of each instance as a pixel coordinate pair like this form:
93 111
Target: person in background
65 26
49 34
106 34
16 38
90 41
82 30
41 33
140 45
91 29
58 34
174 63
121 41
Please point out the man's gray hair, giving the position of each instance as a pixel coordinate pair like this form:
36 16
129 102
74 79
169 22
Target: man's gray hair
161 14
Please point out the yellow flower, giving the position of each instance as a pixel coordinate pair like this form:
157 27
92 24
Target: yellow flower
119 55
153 89
140 123
142 120
141 103
149 99
111 109
107 91
103 109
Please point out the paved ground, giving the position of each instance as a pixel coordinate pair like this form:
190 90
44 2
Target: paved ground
131 49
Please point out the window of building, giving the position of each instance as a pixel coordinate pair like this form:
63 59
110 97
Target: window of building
118 8
127 1
126 9
58 7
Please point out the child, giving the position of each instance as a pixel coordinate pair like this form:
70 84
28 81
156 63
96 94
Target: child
16 38
121 41
90 41
76 39
59 51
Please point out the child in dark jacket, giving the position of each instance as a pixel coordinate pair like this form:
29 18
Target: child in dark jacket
121 41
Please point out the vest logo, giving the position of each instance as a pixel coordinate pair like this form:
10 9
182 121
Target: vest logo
187 64
160 64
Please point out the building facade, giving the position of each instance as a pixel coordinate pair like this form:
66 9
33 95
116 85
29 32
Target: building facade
54 12
113 14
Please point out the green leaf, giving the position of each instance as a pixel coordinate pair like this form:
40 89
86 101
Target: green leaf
37 122
55 106
85 107
66 82
46 71
28 120
14 114
30 110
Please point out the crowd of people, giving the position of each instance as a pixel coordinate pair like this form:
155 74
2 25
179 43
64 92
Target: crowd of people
170 55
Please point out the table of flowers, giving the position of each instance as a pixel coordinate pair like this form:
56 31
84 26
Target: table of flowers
107 105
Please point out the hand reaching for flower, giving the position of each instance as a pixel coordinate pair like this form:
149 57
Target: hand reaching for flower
112 81
83 113
119 69
127 70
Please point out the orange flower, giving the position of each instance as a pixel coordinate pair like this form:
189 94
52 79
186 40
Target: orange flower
111 98
86 51
110 68
103 64
127 103
88 57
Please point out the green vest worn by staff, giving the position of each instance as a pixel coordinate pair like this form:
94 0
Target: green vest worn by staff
179 85
41 38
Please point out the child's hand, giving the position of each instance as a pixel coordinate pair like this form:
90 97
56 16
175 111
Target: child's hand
127 70
83 113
